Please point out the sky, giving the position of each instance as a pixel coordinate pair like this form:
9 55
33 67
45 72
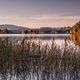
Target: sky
40 13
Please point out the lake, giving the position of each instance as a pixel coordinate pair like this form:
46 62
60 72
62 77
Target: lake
59 39
39 57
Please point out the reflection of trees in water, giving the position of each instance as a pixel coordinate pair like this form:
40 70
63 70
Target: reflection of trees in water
31 61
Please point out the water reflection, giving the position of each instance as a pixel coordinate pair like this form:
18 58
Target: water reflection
30 61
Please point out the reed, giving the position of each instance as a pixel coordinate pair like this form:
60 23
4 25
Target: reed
31 61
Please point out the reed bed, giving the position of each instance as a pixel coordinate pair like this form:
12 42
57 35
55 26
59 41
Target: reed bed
31 61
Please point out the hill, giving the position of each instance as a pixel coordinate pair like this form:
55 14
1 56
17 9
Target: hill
60 30
13 28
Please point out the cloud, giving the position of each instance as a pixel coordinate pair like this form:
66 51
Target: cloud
55 17
12 20
41 20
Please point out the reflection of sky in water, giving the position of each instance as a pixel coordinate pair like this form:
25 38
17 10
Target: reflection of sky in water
41 37
60 40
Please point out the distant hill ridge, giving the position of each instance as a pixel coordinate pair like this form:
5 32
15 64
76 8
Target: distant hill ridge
12 27
45 30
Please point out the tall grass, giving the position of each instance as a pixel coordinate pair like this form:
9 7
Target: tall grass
31 61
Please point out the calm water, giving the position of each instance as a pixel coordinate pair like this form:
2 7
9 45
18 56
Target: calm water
39 57
33 37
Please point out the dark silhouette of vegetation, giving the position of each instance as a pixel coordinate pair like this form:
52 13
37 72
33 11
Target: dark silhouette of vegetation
31 61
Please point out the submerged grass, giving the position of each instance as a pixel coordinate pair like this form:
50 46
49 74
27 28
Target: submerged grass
31 61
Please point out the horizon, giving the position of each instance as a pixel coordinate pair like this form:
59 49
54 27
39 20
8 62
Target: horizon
40 13
35 27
